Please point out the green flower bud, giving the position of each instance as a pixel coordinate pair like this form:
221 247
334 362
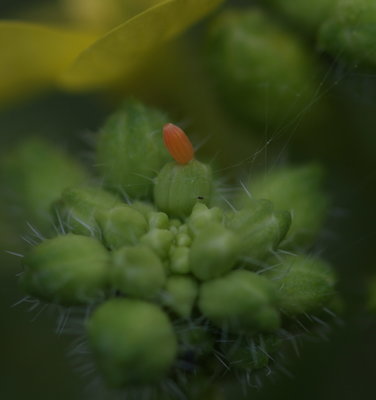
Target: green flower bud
304 284
261 70
175 223
34 175
180 295
307 15
202 215
133 342
214 252
68 270
240 301
121 226
158 220
143 207
128 151
137 271
179 260
179 187
183 239
350 31
77 208
159 240
260 228
183 229
299 190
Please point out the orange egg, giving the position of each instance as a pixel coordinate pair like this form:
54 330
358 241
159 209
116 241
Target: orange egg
178 144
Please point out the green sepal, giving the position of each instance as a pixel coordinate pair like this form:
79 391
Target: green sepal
137 272
68 270
121 226
129 151
240 301
179 187
133 342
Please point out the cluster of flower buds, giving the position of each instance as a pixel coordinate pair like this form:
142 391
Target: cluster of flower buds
178 282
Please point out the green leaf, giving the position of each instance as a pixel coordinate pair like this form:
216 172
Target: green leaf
120 52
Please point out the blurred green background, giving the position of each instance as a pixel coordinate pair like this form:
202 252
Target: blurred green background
34 362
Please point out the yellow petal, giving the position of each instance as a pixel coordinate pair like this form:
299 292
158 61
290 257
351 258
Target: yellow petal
118 54
33 55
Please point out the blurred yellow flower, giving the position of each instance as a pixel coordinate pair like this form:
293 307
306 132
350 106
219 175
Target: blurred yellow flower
104 42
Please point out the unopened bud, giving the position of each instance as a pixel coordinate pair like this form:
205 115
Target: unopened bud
129 153
260 229
180 294
179 187
159 240
121 226
214 252
68 270
137 271
77 209
304 284
133 342
240 301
